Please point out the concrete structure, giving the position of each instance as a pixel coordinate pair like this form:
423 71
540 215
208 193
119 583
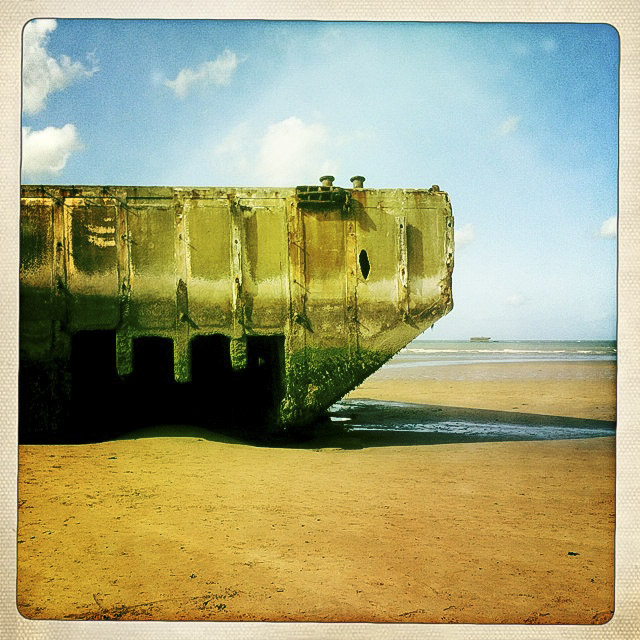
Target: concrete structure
293 295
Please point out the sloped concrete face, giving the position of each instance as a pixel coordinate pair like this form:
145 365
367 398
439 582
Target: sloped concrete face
320 285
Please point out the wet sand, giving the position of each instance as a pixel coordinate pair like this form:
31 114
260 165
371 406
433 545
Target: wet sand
571 389
186 524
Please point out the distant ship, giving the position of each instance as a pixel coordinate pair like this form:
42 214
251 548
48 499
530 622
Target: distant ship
479 339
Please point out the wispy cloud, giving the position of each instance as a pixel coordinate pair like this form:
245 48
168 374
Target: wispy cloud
290 40
290 151
235 148
46 152
464 236
42 74
521 49
509 125
609 228
548 45
216 72
516 300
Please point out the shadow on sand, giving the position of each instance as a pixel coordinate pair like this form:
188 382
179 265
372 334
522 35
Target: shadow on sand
357 424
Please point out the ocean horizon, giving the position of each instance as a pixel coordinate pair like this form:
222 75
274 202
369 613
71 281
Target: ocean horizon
424 352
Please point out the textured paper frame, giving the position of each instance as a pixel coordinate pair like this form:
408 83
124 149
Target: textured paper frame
623 16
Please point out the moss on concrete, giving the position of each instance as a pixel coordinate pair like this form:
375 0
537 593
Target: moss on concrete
317 377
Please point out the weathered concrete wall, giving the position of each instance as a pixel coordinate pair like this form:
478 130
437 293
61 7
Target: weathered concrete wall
347 281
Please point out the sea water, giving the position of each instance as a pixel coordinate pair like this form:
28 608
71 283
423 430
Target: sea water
444 352
467 425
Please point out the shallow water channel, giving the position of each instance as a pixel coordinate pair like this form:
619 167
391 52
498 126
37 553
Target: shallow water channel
456 425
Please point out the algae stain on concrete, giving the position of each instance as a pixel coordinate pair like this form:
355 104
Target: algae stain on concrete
313 288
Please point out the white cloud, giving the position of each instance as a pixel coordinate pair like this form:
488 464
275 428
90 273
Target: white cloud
41 73
289 152
235 148
464 236
509 125
47 151
212 72
548 45
516 300
609 229
292 150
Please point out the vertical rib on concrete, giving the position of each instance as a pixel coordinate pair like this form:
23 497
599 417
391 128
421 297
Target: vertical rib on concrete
181 354
124 346
238 346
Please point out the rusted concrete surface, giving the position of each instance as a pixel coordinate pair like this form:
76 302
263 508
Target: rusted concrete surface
319 285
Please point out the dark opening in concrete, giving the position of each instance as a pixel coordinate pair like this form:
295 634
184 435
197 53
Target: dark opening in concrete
92 397
247 397
365 267
265 371
83 398
152 361
210 359
93 357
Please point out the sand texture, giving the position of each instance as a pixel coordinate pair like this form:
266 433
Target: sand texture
572 389
345 528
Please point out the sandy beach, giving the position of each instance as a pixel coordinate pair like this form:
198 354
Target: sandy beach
187 524
570 389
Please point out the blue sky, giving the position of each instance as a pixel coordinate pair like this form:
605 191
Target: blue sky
518 122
